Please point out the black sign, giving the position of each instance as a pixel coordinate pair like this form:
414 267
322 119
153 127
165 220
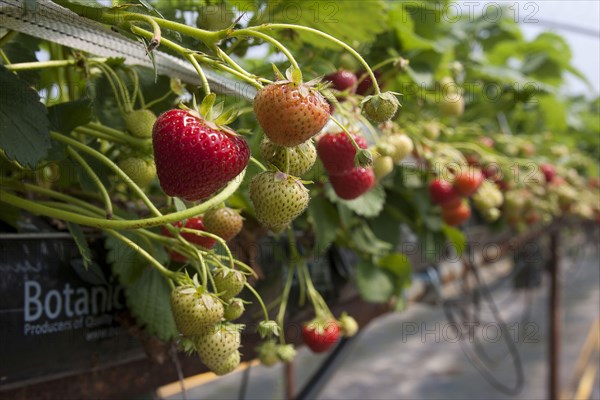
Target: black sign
56 317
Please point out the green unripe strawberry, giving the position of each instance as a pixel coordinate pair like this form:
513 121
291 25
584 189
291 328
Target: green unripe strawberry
380 107
382 166
402 144
452 106
215 346
195 311
348 325
140 122
431 130
141 171
228 365
234 309
267 353
278 199
223 222
229 282
286 352
301 158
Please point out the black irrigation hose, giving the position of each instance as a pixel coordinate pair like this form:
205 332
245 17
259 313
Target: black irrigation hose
473 356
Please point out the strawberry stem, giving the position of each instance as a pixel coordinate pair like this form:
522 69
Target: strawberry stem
201 75
259 299
267 38
95 180
258 163
326 36
348 134
167 273
214 237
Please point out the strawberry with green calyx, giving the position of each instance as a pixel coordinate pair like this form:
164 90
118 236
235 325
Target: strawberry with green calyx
228 365
224 222
278 199
291 112
380 107
321 334
268 329
195 310
234 309
215 346
348 325
140 122
141 170
337 152
229 282
298 160
195 153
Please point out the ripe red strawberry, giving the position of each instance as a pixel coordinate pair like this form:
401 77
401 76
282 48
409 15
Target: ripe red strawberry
442 192
215 346
365 86
195 158
289 113
320 335
353 183
456 215
195 311
140 122
337 153
301 158
278 199
342 81
229 282
223 222
467 182
549 172
191 223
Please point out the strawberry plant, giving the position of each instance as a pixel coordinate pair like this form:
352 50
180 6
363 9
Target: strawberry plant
343 163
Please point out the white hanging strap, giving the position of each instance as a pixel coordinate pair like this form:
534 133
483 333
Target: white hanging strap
57 24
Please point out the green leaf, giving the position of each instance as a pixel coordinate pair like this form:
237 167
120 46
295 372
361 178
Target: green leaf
65 117
325 221
126 263
374 284
456 237
91 274
149 299
386 226
369 204
179 204
364 240
398 264
82 245
24 133
349 21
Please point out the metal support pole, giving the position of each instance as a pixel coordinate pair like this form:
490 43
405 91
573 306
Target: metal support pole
289 381
555 318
